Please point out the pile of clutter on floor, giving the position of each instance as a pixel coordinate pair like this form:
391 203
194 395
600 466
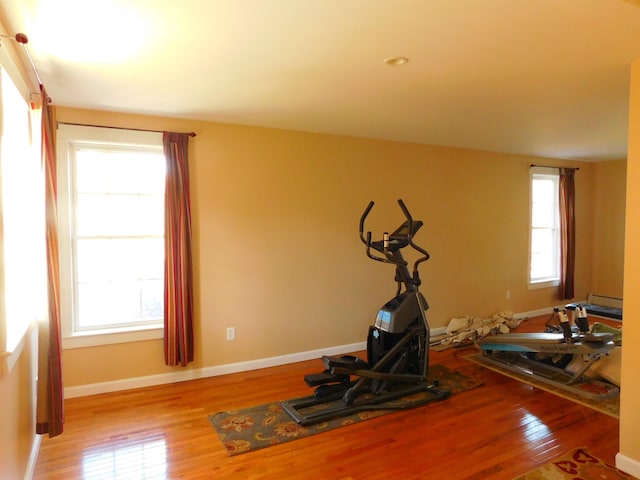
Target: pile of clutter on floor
465 330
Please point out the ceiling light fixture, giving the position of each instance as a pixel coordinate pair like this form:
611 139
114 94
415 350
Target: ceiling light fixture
396 61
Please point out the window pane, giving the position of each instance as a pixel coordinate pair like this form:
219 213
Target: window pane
120 215
121 178
113 304
151 169
542 190
149 255
151 294
106 260
542 240
120 303
541 265
542 215
150 214
545 242
22 220
91 171
119 171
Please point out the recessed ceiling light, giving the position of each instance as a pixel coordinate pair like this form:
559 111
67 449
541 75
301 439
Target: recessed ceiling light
396 61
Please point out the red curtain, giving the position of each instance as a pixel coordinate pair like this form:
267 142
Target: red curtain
567 232
50 403
178 283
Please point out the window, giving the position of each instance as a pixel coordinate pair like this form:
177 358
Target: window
111 211
544 257
23 274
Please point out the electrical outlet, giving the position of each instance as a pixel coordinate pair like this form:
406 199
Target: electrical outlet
508 295
231 333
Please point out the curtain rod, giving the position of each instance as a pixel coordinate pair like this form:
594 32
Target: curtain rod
22 39
191 134
548 166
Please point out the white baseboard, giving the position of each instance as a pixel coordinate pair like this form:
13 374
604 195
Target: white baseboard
33 457
192 374
628 465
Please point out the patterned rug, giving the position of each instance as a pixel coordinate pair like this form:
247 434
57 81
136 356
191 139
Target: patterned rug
258 427
608 406
576 465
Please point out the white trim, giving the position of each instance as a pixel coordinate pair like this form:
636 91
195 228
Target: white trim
628 465
193 374
543 284
81 340
33 457
9 359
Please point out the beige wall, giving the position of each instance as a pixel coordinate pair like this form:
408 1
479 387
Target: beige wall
276 247
630 380
17 404
608 227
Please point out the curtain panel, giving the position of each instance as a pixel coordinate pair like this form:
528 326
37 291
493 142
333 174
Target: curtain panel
567 192
50 396
178 281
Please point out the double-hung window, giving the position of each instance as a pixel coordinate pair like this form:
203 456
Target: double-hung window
23 265
111 213
544 250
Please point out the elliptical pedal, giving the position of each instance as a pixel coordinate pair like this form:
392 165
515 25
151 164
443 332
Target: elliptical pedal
345 361
315 379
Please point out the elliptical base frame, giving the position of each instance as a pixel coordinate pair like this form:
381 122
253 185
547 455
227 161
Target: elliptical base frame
310 410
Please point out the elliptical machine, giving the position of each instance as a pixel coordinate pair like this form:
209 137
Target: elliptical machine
397 344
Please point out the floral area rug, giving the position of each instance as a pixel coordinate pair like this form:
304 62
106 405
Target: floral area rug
258 427
578 464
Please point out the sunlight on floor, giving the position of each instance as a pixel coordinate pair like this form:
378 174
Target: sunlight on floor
534 428
136 460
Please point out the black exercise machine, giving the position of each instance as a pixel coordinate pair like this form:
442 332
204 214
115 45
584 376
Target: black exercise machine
397 344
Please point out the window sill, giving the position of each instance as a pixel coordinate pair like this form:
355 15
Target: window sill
544 284
9 359
110 337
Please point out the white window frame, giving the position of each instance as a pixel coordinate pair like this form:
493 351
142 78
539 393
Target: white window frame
554 280
70 137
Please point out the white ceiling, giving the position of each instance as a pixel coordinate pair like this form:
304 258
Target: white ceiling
539 77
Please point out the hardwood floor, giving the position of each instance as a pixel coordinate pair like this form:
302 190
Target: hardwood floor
499 430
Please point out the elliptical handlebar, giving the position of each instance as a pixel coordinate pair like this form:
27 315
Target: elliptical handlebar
410 226
367 241
362 219
416 247
425 254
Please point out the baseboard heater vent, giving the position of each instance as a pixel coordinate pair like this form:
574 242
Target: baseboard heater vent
601 306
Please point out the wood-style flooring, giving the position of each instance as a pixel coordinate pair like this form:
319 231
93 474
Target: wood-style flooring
498 431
